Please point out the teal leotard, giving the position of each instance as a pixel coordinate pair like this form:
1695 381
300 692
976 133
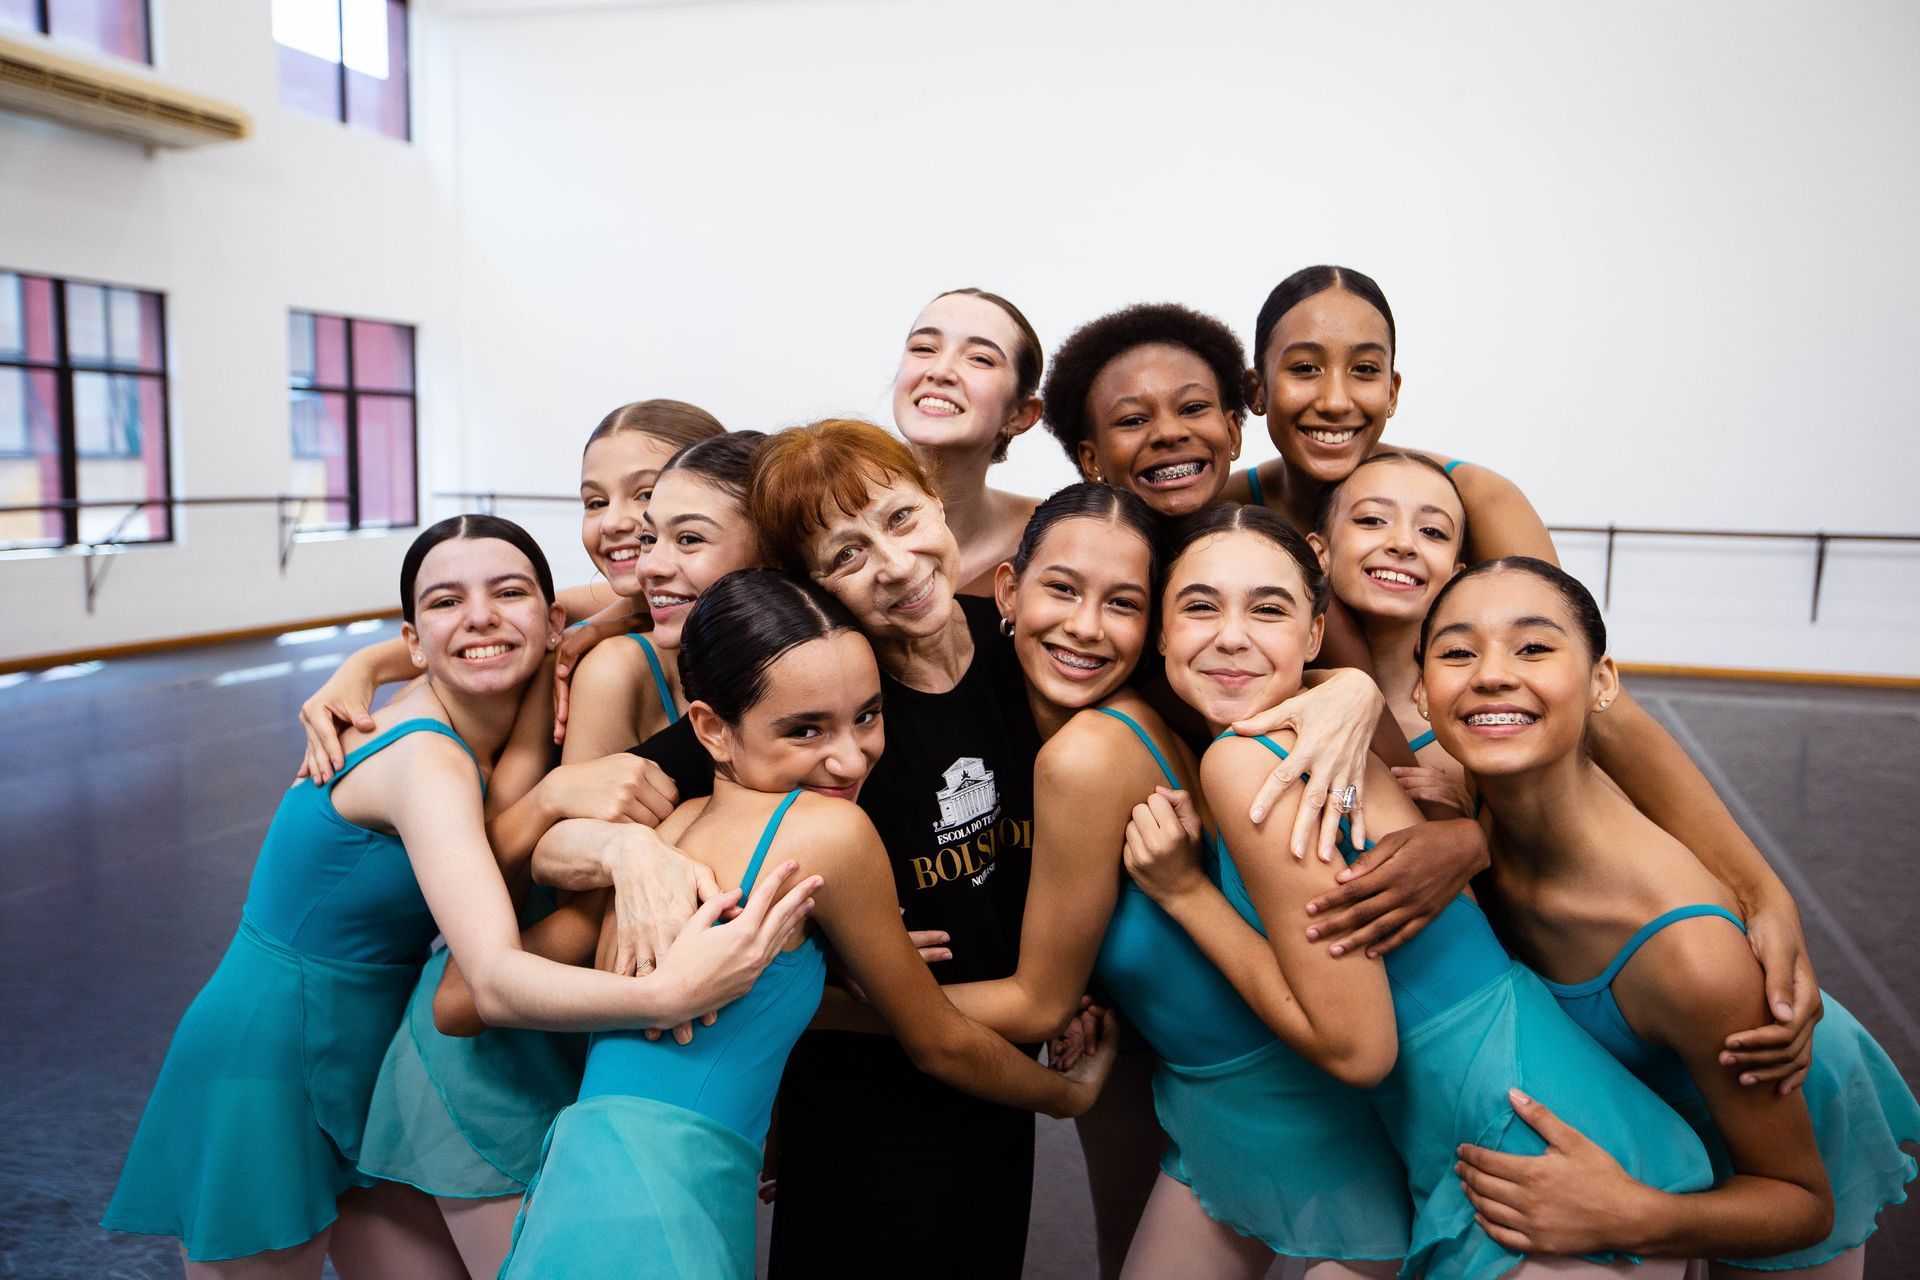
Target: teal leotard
651 1173
660 684
1457 462
1229 1095
1862 1110
1424 740
254 1125
1473 1024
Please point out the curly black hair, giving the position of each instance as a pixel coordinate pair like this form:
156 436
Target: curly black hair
1098 343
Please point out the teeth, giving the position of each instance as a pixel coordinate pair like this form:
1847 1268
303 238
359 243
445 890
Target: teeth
1079 660
1330 437
663 601
1501 717
484 651
624 554
937 404
1394 575
907 602
1176 471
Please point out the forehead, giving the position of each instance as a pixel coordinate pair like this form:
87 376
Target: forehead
882 494
686 490
1095 546
834 671
1237 560
473 560
1332 317
961 315
1490 599
1149 367
613 456
1407 483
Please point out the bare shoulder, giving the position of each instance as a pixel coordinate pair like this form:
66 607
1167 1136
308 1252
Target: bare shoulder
1091 750
1236 765
823 832
615 663
1694 979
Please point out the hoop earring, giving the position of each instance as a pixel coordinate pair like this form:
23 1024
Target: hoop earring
1006 627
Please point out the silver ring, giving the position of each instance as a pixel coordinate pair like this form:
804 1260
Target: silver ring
1347 800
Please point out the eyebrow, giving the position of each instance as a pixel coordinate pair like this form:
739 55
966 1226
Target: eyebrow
690 516
424 592
1071 572
1184 389
1530 620
930 331
1316 346
1260 593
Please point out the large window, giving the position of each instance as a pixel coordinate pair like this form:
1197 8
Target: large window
108 26
345 60
352 402
83 411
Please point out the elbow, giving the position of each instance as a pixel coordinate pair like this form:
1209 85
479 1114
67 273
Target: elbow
454 1013
942 1054
1815 1222
1362 1064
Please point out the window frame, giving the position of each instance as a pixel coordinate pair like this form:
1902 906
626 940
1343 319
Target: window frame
43 25
340 82
351 393
66 422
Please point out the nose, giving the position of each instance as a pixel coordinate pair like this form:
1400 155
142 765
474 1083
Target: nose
845 761
1400 539
1232 634
1492 671
1169 429
1084 622
941 368
1334 398
891 561
481 611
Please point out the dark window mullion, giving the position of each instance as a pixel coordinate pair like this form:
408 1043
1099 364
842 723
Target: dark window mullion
43 17
353 433
340 22
69 442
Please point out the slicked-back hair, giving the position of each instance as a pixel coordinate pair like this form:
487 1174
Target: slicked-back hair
1087 500
1098 343
470 526
1235 517
673 422
1306 283
1581 607
740 626
799 473
723 461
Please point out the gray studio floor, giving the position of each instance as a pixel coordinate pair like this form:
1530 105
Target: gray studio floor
134 793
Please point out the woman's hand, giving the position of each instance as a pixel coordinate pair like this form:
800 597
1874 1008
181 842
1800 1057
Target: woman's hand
1436 786
1333 726
712 964
615 620
656 890
345 699
1162 848
1779 1053
1089 1073
1389 893
1574 1199
1081 1037
615 788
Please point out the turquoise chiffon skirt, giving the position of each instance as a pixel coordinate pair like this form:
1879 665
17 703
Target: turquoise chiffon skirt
1450 1086
465 1116
1862 1112
254 1127
1282 1152
638 1189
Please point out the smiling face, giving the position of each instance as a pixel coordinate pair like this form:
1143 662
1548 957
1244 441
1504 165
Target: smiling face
617 476
1327 387
693 534
1507 681
817 726
892 563
1393 539
957 386
1237 626
1156 425
481 624
1079 610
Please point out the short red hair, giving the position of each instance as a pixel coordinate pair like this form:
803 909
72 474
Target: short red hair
799 471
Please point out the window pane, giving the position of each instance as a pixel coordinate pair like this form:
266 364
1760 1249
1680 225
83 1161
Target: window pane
35 316
106 415
382 356
118 27
24 14
316 350
319 456
386 461
308 35
376 56
86 323
29 457
133 330
137 404
13 317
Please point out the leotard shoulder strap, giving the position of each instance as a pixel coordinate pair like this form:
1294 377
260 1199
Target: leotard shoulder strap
752 872
1346 827
1145 741
1253 486
1640 939
1457 462
1424 740
659 676
419 724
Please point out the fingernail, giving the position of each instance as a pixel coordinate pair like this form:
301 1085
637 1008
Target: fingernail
1313 935
1341 877
1313 909
1460 1150
1337 949
1519 1099
1783 1011
1747 1079
1727 1059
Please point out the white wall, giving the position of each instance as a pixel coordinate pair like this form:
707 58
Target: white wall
1654 262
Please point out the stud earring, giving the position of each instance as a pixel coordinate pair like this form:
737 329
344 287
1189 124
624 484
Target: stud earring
1006 626
1423 713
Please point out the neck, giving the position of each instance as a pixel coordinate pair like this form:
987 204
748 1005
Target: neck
483 723
1391 642
1298 494
1048 717
959 479
931 664
1551 816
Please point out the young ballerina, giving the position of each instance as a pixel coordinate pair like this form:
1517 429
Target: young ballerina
693 532
1448 1023
1078 593
967 384
1389 537
618 470
652 1172
1644 949
1324 376
247 1148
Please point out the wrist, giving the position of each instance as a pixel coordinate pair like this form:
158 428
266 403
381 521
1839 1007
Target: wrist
1640 1221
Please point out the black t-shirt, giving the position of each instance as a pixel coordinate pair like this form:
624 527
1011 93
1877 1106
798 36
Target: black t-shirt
951 796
